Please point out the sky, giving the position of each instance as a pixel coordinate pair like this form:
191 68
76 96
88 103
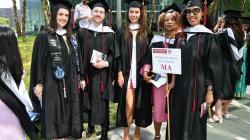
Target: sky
8 4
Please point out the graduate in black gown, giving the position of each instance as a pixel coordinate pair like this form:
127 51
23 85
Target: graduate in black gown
134 96
231 45
199 82
95 37
14 119
55 77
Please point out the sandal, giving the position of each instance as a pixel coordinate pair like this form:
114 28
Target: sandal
157 137
214 119
226 115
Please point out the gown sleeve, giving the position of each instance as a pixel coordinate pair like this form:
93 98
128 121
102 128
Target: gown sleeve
38 66
213 69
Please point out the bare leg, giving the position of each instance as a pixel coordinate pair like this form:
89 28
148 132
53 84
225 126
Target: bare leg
157 126
226 107
137 133
218 109
129 111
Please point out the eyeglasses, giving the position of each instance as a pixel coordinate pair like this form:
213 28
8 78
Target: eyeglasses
195 11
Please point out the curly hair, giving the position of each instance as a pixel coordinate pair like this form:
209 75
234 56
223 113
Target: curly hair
162 16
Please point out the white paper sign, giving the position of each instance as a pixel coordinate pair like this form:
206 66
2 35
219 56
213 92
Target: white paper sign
166 60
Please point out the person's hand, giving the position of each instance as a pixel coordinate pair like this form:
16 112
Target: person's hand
120 79
209 97
146 77
101 64
38 90
82 84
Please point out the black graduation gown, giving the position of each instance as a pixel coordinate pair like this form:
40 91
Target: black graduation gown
88 41
18 108
143 107
60 116
231 69
185 124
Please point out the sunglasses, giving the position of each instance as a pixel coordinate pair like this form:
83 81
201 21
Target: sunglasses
195 11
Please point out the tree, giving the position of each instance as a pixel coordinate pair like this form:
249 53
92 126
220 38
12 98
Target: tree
23 17
46 9
18 31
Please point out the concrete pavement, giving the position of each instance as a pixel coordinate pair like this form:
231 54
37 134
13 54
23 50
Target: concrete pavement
237 127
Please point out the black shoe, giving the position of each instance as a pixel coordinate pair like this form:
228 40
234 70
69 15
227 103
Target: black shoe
90 131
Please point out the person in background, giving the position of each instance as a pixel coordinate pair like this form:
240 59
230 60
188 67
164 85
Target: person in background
82 12
99 49
198 87
15 123
56 76
230 36
169 22
132 40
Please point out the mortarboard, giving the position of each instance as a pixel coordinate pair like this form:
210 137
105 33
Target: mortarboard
99 3
245 20
65 3
170 8
136 3
200 3
232 14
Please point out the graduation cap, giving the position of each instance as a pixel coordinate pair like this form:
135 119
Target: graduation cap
233 14
182 6
245 20
200 3
171 8
136 3
65 3
99 3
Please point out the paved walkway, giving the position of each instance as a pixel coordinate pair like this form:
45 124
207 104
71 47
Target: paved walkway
237 127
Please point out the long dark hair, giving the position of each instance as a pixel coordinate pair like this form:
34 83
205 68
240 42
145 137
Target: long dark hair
53 22
142 22
10 58
235 25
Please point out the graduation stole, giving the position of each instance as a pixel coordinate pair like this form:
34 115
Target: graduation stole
55 51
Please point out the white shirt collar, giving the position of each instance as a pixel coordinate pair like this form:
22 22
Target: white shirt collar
61 31
158 38
198 29
91 26
134 26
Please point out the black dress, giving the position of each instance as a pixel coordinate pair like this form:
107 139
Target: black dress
60 115
201 65
143 108
99 81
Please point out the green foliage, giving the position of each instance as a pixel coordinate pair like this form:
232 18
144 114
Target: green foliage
237 5
4 21
25 48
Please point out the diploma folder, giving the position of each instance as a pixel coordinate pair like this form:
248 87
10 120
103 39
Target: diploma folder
97 56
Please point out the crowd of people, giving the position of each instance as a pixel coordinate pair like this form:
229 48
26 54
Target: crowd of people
74 78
